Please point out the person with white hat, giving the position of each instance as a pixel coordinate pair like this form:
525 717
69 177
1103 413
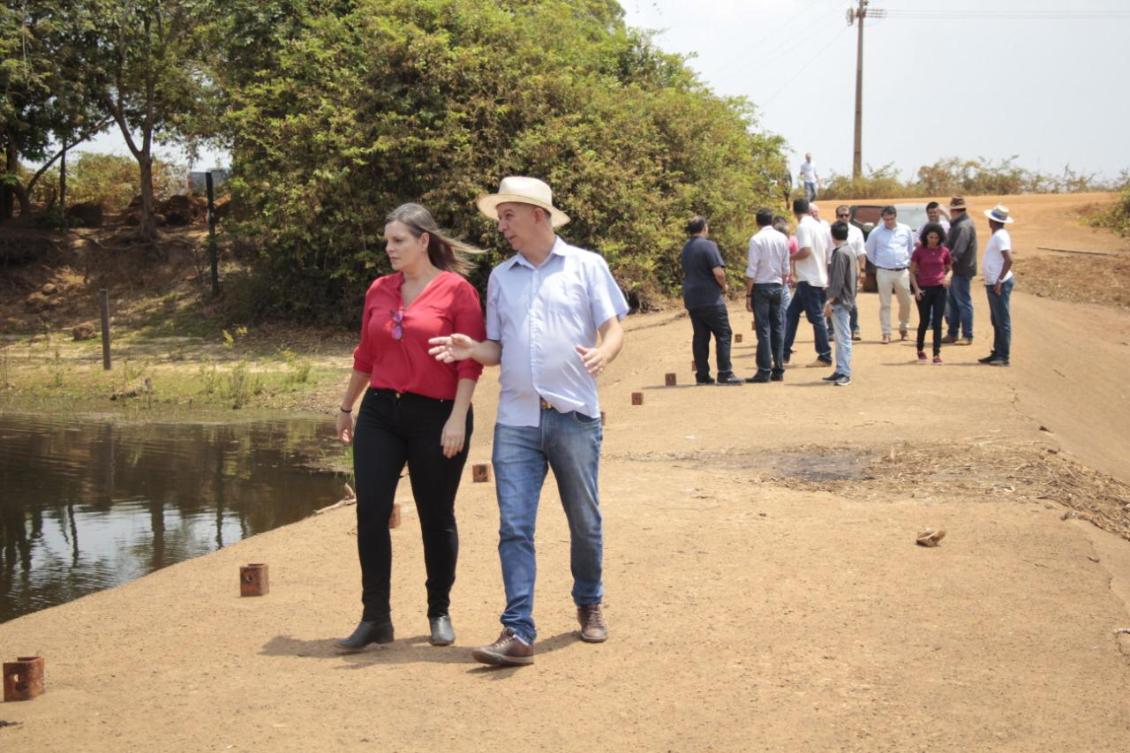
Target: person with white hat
997 266
553 323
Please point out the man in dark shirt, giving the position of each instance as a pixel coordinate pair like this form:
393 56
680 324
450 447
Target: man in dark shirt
704 291
962 243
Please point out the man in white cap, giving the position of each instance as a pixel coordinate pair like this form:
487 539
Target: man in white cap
553 323
997 267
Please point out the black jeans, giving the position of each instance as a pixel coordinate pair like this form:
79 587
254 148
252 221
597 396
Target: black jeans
707 321
392 431
770 327
931 310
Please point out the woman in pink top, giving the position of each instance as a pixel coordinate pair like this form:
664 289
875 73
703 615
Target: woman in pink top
930 267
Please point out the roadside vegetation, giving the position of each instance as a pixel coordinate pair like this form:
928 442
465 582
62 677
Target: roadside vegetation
953 176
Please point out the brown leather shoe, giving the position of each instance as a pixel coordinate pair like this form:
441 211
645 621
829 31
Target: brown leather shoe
507 651
593 629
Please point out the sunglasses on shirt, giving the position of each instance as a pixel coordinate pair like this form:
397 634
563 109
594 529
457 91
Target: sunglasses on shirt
397 324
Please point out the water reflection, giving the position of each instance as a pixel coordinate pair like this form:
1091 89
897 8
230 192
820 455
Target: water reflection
87 505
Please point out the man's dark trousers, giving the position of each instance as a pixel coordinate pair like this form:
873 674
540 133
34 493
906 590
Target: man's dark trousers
707 321
770 327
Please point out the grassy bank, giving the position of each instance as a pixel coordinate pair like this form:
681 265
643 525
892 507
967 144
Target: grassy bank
159 378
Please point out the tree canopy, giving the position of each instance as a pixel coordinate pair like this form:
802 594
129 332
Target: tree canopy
336 111
339 111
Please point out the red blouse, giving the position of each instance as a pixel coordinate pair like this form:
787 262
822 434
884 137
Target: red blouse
394 337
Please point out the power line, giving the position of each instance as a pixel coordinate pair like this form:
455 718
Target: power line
824 48
1005 15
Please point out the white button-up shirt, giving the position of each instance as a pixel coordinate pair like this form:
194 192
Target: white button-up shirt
539 315
890 249
856 243
768 257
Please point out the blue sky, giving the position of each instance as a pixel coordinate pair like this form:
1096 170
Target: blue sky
968 80
965 81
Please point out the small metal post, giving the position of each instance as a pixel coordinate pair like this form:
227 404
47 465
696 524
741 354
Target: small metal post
213 252
104 308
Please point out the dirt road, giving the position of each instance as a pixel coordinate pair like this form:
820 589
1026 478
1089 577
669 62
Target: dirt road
764 589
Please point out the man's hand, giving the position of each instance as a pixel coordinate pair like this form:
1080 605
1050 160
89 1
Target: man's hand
453 348
593 358
997 288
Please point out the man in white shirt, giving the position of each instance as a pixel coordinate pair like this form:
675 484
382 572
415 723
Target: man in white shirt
553 316
812 278
997 268
934 214
765 277
889 248
809 177
855 244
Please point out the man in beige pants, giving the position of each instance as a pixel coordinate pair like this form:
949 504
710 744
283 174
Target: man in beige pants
889 247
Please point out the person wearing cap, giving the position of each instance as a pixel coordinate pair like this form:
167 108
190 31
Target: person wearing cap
961 240
889 247
997 267
415 412
553 324
704 296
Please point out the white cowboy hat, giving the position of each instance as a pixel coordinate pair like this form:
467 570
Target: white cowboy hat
521 190
999 213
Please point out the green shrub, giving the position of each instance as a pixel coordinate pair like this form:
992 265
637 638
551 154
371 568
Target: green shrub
435 100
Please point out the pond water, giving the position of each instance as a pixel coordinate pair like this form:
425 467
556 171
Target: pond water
86 505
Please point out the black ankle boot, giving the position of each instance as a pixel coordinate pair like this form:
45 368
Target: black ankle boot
366 633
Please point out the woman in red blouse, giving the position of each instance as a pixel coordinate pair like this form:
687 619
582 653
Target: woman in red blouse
416 410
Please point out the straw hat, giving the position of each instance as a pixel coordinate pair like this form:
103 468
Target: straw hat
999 213
521 190
957 202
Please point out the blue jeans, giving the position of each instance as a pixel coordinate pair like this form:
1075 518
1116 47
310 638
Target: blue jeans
809 191
810 300
1001 318
767 312
569 443
841 315
959 307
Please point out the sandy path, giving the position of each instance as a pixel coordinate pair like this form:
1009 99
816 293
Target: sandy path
748 612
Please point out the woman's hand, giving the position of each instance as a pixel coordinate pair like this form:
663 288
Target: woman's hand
454 434
452 348
918 294
345 427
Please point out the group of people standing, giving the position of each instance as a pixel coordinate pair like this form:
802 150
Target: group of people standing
552 325
824 265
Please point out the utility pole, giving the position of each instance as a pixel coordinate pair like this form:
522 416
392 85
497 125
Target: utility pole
856 15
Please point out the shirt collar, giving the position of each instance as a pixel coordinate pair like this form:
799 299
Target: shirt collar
560 248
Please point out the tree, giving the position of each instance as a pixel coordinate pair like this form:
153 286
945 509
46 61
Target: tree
143 60
47 107
359 106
